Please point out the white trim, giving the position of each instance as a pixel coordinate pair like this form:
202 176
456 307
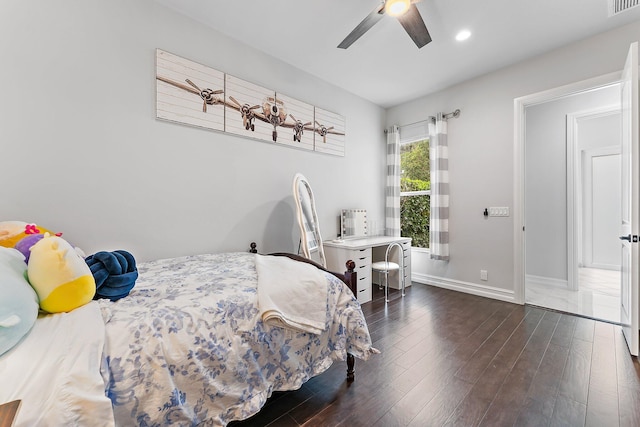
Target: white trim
415 193
570 89
610 267
418 249
518 201
466 287
518 165
546 281
574 198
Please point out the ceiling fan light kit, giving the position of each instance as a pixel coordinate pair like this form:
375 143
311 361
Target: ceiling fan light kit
396 7
405 11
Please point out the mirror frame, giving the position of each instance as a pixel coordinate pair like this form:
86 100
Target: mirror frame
360 227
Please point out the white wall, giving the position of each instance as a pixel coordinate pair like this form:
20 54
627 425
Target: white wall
83 153
481 152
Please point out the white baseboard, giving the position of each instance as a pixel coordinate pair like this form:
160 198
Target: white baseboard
530 279
604 266
466 287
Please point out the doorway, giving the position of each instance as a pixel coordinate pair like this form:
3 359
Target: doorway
598 259
569 147
593 212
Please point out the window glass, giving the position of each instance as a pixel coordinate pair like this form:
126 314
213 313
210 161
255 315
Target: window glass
415 190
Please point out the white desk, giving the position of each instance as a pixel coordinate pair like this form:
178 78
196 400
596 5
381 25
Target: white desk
364 251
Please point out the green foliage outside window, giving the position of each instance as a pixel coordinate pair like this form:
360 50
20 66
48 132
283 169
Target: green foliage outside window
415 209
414 160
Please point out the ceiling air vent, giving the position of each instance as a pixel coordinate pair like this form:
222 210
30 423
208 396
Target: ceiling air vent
619 6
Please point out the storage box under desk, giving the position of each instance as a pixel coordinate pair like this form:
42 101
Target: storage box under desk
336 259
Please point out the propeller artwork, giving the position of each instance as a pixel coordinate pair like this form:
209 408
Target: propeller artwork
323 131
407 14
298 128
248 116
206 95
271 111
275 113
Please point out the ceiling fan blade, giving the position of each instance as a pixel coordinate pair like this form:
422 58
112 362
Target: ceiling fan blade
413 24
363 27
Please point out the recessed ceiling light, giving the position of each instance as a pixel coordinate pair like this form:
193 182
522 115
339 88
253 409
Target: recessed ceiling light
463 35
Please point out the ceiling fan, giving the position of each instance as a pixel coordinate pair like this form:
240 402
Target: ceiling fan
404 10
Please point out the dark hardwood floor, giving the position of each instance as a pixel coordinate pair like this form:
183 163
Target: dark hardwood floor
455 359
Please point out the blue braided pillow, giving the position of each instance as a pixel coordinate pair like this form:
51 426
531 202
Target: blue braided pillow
115 273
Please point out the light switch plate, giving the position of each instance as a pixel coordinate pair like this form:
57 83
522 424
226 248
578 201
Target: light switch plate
499 211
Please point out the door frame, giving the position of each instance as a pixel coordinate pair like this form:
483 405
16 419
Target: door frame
520 105
574 193
630 204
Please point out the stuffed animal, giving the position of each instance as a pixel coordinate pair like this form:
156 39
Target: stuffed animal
24 245
61 278
11 232
22 235
18 301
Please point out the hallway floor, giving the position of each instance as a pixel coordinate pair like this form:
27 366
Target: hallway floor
598 295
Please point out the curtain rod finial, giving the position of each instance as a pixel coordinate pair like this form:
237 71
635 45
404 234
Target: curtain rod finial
454 114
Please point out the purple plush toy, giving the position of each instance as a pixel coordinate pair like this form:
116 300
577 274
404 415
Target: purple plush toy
24 244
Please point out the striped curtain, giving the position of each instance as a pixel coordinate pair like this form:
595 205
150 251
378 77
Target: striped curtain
392 190
439 221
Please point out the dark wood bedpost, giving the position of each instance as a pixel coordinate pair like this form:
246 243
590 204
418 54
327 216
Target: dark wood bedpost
351 363
351 277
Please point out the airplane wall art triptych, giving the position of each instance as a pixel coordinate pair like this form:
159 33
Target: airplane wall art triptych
197 95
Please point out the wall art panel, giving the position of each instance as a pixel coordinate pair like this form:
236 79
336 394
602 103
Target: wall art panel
329 132
188 92
197 95
298 125
248 109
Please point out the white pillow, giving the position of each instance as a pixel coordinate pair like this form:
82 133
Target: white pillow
55 371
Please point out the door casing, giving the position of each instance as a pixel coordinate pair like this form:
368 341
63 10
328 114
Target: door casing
520 105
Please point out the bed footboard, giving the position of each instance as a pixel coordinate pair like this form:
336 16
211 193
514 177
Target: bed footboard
350 278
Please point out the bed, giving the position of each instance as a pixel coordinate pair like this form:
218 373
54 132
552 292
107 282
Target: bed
188 346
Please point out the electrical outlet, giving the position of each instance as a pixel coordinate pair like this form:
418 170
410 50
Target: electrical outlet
499 211
484 275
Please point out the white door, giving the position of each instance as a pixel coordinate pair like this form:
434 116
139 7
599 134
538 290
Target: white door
629 297
601 213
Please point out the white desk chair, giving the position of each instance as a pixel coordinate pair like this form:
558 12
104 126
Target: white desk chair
385 267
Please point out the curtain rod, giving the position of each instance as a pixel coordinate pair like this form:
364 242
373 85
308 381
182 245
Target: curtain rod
454 114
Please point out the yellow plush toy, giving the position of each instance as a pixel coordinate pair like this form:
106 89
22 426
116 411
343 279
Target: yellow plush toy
11 232
61 278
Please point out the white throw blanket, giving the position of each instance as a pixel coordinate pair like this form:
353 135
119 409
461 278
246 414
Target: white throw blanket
291 294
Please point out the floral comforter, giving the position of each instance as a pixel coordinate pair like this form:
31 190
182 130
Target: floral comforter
187 346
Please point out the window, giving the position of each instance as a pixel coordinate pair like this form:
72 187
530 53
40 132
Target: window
415 190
